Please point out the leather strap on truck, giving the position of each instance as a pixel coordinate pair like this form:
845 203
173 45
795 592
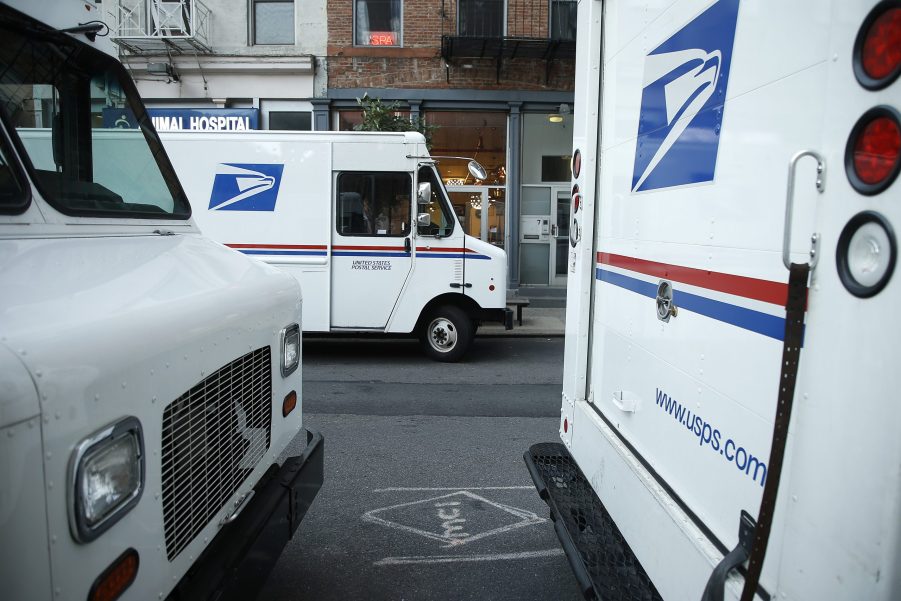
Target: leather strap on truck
795 308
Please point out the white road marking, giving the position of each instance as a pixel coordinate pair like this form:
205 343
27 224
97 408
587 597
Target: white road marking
396 561
451 535
454 488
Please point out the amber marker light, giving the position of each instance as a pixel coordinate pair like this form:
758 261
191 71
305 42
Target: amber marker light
289 403
116 578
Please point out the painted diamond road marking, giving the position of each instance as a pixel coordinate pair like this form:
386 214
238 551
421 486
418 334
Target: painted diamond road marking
454 519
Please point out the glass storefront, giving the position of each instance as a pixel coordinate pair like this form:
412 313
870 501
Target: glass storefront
481 205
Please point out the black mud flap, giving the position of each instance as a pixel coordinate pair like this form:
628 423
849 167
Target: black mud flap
602 561
238 560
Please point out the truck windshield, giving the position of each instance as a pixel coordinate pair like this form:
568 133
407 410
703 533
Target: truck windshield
66 102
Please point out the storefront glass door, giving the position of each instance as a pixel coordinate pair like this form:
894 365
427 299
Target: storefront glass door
544 235
481 210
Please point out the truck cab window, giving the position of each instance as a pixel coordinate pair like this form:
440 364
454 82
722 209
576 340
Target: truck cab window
13 198
373 204
67 104
438 207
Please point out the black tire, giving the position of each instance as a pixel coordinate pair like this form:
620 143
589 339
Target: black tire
446 334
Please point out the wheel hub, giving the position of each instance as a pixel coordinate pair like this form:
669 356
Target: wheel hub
443 334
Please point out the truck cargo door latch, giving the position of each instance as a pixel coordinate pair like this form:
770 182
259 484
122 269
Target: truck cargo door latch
737 556
665 306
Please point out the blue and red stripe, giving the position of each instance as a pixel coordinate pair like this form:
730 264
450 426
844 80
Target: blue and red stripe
766 291
309 250
321 250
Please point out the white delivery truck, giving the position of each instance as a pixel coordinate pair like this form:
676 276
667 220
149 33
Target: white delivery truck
149 377
361 219
730 415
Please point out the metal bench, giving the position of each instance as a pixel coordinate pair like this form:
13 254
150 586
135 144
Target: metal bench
519 303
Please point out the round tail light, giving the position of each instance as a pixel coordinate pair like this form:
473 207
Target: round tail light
872 152
877 49
576 166
866 254
577 199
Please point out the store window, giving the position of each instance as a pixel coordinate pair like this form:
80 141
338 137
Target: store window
349 119
273 22
563 19
373 204
291 120
481 136
377 22
480 205
481 18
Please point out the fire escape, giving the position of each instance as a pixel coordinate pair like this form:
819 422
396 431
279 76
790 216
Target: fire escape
157 27
499 30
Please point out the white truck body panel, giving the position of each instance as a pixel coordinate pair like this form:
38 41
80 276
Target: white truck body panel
114 308
299 230
671 422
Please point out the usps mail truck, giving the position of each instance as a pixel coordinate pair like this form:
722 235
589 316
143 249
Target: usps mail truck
151 429
361 219
730 411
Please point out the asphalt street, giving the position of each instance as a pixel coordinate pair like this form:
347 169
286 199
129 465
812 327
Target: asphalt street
426 493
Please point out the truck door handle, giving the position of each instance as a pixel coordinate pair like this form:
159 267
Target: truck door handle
456 285
407 246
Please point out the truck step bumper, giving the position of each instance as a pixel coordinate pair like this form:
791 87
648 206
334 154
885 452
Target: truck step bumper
602 561
237 562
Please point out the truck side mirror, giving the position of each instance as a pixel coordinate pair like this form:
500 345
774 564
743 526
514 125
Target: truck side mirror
425 194
477 171
424 219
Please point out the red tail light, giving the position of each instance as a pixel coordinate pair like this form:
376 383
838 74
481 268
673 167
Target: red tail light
877 50
577 199
577 163
871 156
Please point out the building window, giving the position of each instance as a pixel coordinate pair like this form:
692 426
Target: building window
273 21
291 120
481 18
563 19
377 22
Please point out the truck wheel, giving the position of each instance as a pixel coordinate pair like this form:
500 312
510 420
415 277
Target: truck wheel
446 334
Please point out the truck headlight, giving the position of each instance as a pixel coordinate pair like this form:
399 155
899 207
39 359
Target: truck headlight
290 349
106 478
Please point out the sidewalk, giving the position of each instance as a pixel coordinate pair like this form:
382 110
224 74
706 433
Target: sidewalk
536 322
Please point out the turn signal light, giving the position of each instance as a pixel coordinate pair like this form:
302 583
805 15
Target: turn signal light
116 578
877 50
871 156
289 403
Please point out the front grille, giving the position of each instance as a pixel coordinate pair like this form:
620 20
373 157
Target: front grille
213 436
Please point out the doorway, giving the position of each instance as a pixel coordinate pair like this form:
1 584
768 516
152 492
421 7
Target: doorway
544 235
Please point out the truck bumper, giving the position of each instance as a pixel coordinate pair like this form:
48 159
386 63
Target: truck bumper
238 561
602 561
